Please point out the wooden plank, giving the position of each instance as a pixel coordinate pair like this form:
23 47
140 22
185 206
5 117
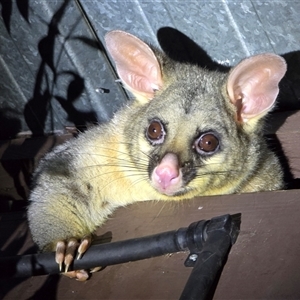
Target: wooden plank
263 264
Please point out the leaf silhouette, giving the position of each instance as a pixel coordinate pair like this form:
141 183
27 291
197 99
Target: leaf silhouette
6 13
79 118
76 88
46 49
23 7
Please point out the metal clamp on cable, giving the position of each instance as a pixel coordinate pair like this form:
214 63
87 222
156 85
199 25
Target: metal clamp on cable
209 244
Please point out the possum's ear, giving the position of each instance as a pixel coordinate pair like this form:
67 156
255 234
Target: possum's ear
253 85
136 64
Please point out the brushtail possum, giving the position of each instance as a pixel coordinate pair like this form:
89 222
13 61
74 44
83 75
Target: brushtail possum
188 132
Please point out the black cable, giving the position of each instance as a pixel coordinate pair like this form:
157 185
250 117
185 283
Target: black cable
193 238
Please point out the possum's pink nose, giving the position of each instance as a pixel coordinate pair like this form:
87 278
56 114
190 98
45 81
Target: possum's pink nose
166 177
165 174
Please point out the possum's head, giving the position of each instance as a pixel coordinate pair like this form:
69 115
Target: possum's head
197 128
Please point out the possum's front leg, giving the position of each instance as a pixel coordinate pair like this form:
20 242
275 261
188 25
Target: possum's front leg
60 224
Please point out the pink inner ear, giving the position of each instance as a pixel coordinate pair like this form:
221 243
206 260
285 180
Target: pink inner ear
136 63
253 84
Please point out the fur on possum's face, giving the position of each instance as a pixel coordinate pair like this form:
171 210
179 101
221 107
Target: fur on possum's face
171 172
193 126
183 141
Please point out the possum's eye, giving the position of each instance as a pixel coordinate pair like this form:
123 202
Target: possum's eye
207 143
155 132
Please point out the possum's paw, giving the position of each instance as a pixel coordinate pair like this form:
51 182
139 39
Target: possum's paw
81 275
66 252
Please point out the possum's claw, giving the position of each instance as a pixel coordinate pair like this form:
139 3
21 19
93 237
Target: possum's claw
66 252
60 253
70 252
84 245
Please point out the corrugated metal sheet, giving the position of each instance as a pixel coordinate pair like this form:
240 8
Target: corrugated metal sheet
54 72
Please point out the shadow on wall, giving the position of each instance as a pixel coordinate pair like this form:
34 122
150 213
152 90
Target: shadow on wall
40 106
49 77
181 48
6 11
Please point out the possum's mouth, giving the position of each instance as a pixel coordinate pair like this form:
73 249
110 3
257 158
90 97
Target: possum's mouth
172 188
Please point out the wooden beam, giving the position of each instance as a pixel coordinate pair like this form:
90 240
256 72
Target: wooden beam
263 264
